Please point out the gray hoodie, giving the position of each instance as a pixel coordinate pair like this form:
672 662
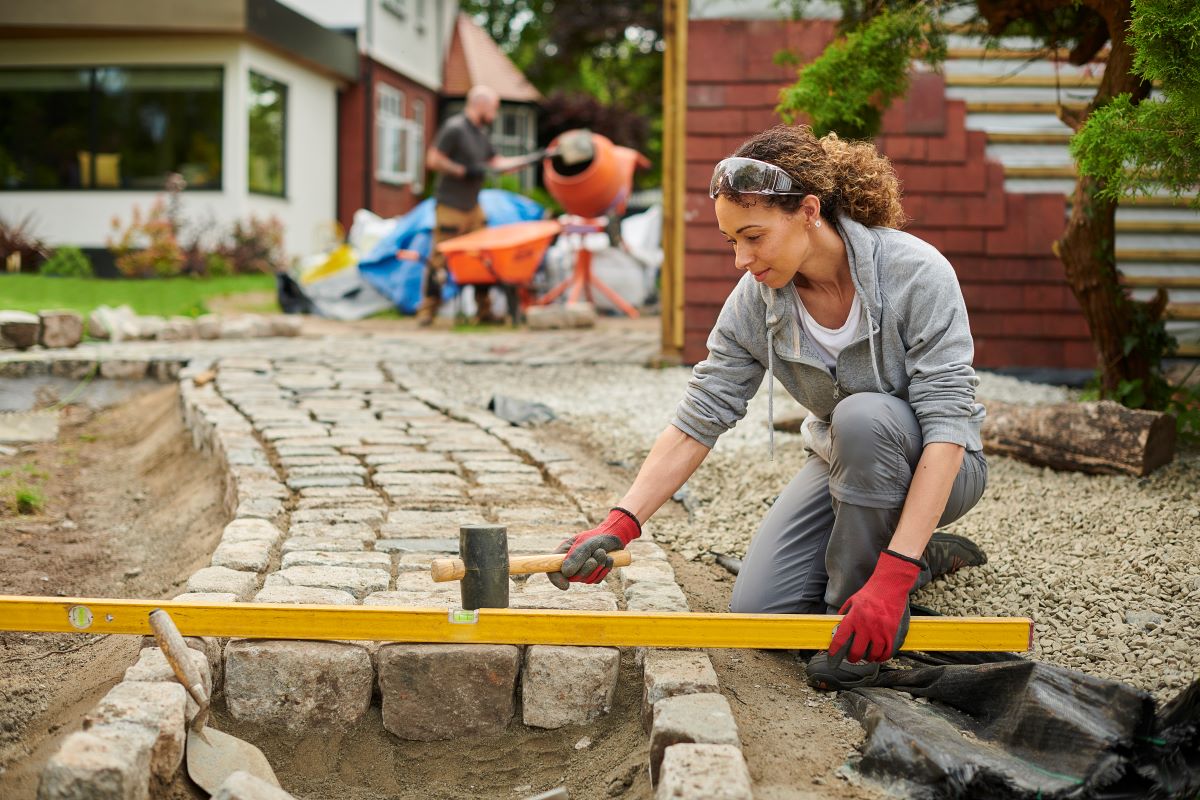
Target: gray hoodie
913 342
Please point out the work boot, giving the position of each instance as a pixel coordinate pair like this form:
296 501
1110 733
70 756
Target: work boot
949 552
826 677
483 304
427 311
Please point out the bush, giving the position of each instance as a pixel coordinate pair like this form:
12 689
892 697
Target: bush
148 248
255 245
68 262
217 266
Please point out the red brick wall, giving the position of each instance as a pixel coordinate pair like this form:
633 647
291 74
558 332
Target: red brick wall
1022 312
386 200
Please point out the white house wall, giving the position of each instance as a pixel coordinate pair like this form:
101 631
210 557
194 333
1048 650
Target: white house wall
309 209
415 49
83 218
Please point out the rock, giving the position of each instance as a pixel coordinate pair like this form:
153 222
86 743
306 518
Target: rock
331 516
669 673
700 718
568 685
704 772
581 315
304 595
286 325
649 571
318 558
18 329
1146 620
297 684
338 545
446 691
244 786
358 582
265 508
223 580
106 763
251 530
177 329
208 326
152 667
655 597
146 328
60 329
546 318
116 324
248 556
123 369
159 707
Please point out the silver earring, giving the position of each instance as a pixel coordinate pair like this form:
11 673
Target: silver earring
817 223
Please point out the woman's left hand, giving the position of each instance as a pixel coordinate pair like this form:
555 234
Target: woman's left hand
874 612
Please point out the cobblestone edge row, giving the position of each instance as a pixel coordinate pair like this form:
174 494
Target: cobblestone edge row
134 735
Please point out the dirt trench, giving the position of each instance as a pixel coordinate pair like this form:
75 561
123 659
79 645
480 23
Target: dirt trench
130 510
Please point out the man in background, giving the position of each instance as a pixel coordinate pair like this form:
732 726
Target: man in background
462 154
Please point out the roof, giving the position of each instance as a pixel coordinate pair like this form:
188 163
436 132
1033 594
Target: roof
474 58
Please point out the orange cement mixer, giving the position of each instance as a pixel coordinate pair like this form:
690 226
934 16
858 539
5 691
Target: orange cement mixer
593 187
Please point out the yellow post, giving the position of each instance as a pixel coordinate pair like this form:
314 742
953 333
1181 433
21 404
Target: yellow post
675 15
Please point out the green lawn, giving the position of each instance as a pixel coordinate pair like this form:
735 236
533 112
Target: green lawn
163 297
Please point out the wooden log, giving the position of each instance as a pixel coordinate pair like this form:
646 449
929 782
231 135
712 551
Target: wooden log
1101 438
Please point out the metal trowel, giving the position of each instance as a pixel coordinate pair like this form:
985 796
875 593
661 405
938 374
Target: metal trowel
570 148
212 756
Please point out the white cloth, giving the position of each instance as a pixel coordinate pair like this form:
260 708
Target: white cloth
828 342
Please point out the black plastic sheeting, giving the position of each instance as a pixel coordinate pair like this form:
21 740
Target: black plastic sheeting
1025 729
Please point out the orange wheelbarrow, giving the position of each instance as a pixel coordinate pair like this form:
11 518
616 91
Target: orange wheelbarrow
505 255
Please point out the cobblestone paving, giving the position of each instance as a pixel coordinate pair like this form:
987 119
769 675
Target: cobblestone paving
345 476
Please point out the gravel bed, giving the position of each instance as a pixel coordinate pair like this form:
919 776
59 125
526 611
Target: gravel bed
1108 567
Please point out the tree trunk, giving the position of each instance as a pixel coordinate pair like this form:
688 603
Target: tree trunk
1102 438
1088 247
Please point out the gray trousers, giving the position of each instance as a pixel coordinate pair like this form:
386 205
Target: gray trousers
821 539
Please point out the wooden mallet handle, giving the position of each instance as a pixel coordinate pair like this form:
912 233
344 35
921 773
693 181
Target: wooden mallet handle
452 569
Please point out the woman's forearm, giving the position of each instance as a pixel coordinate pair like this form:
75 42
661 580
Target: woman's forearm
927 495
672 460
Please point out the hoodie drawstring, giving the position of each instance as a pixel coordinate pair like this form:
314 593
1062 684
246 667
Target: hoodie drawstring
771 389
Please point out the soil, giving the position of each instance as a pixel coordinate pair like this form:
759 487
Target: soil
130 510
602 759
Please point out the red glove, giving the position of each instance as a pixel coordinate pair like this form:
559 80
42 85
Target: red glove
587 558
874 612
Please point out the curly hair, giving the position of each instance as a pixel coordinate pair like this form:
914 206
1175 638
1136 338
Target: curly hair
848 177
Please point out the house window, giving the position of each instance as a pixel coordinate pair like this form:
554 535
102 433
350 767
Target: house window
110 127
513 134
398 156
267 147
418 145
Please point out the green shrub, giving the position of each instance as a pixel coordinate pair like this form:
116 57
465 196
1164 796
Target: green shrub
28 500
217 266
68 262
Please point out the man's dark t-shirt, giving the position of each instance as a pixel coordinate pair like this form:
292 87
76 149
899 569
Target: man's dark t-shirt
461 141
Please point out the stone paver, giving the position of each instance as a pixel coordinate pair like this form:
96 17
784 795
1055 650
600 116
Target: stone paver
158 707
446 691
668 673
567 685
297 685
108 762
704 772
700 718
244 786
358 582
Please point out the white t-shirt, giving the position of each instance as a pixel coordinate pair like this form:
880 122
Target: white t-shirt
828 342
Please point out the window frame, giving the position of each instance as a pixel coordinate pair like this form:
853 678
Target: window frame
92 67
398 136
283 154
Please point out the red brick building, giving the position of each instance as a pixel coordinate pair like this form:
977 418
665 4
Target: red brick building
1022 312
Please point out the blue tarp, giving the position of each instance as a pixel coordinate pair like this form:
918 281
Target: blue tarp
400 281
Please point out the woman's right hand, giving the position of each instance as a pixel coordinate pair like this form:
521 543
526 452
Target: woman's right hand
587 558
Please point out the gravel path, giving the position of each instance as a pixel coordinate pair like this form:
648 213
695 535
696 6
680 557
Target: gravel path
1108 567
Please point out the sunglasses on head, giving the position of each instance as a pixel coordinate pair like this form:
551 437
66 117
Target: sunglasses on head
751 176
